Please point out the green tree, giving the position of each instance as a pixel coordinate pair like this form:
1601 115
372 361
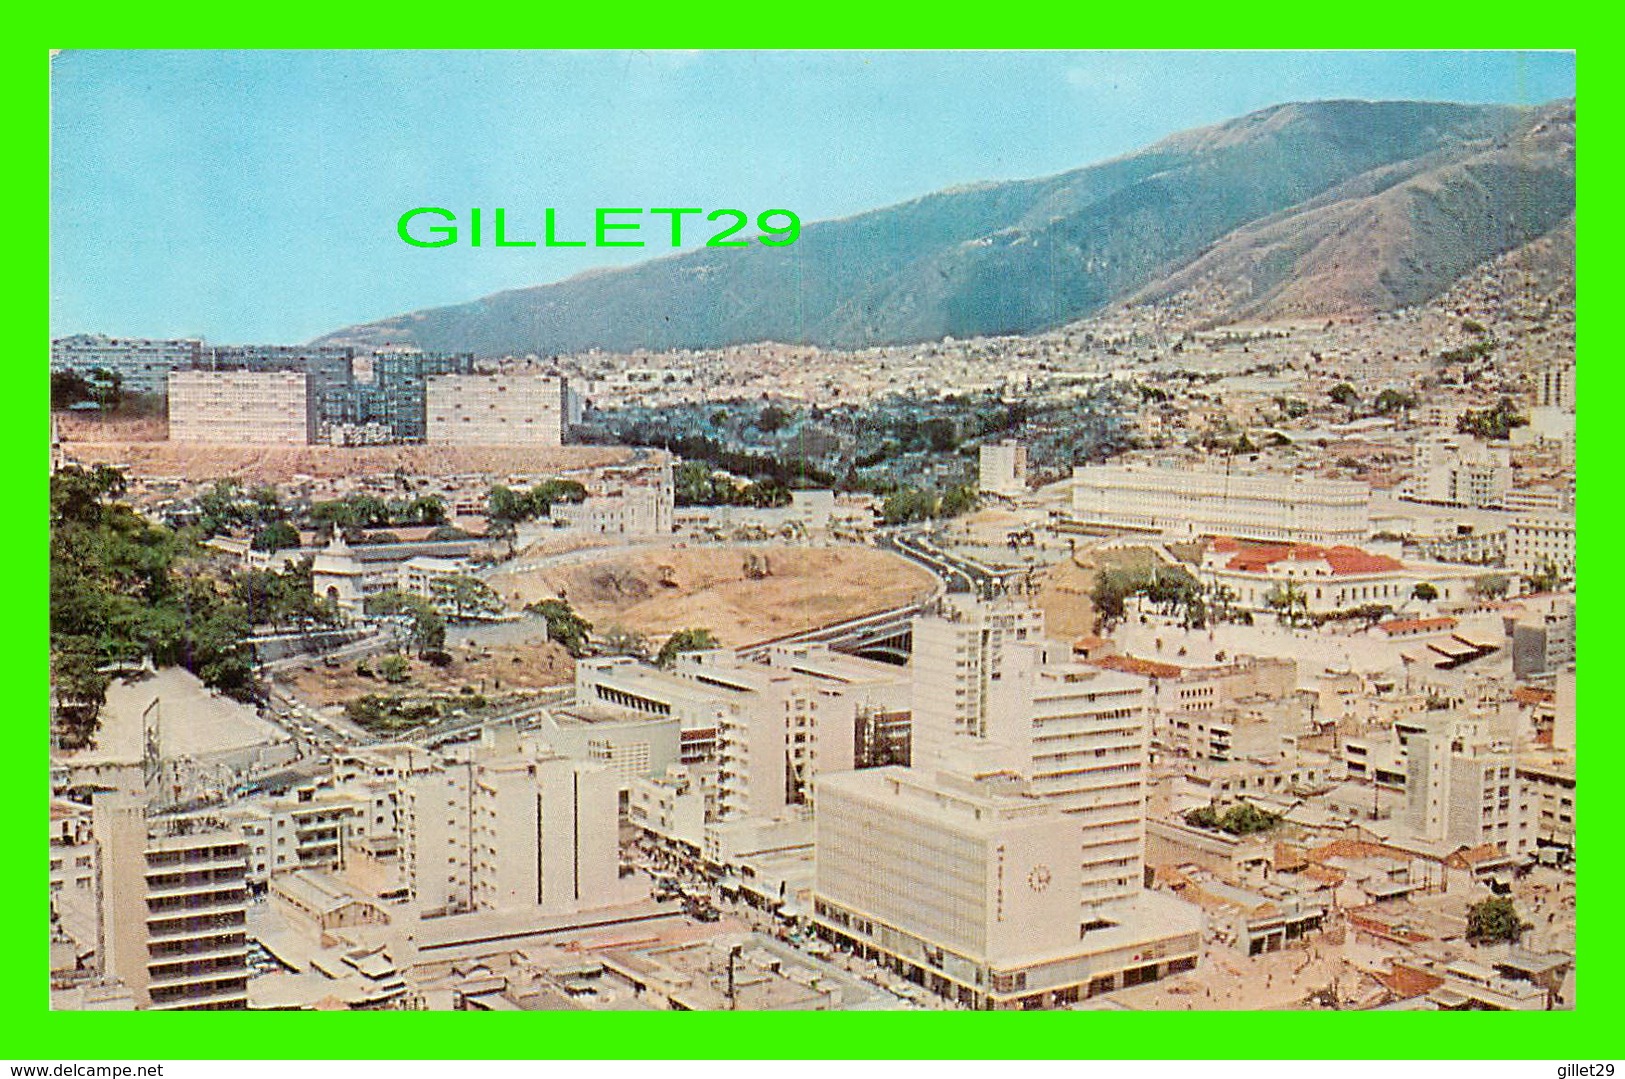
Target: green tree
1390 401
563 624
1425 592
685 640
619 640
393 669
275 537
1344 394
465 595
1494 919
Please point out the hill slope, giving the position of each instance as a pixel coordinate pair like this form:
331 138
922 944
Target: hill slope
1298 209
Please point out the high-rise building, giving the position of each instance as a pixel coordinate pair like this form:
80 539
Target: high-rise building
143 366
235 407
963 878
400 383
495 410
1003 468
174 907
1459 470
516 826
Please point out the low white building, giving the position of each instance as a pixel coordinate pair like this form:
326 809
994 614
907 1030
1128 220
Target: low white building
1321 580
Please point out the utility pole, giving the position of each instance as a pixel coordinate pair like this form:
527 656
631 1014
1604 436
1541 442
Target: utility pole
733 954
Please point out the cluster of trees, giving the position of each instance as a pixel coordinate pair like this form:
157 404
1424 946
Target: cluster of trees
506 504
697 485
1495 919
1171 589
1473 350
426 626
1491 423
104 387
356 513
123 588
920 504
282 599
1243 818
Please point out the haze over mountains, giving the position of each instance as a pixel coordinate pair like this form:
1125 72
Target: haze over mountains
1301 210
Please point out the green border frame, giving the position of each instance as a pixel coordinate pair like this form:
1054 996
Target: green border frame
33 1032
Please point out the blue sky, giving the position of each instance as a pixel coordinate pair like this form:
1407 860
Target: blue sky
252 196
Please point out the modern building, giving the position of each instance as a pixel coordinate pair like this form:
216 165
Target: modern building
237 407
514 827
1003 468
961 880
174 907
142 365
1459 470
496 410
1187 503
397 397
1557 386
1540 541
1461 789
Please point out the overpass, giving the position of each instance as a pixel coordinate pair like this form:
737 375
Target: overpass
886 635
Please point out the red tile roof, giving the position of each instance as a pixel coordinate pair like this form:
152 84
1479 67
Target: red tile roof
1344 561
1416 625
1146 668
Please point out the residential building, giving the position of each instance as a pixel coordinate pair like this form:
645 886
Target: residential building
1003 468
142 365
485 410
1187 503
1459 470
174 907
1461 790
1541 541
236 407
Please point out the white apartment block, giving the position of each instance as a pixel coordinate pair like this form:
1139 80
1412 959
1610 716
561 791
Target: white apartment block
962 880
958 658
515 827
1186 503
1557 387
544 834
1459 470
496 410
174 908
1540 540
143 366
1461 789
1003 468
236 407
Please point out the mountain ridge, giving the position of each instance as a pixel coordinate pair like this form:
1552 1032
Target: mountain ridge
1303 208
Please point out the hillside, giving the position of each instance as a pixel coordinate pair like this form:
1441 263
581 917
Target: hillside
1325 207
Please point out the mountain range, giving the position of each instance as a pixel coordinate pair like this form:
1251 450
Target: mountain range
1299 210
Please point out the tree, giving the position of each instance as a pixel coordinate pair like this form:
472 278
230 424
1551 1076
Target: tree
393 669
1344 394
69 388
1425 592
685 640
563 624
619 640
1549 578
275 537
1491 423
1491 585
465 594
1390 401
1494 919
1289 601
